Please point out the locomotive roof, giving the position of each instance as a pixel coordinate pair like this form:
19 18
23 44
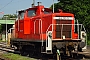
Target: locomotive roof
35 7
48 9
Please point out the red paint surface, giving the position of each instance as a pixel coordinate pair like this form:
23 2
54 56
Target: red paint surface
35 27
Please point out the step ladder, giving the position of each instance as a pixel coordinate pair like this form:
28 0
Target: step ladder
48 46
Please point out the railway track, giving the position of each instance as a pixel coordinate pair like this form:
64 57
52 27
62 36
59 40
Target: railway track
4 49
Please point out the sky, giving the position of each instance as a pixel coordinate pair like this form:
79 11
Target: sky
11 6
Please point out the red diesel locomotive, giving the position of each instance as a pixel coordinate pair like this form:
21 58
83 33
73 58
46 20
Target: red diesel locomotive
37 29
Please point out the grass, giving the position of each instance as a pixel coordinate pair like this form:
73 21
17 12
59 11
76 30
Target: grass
12 56
2 40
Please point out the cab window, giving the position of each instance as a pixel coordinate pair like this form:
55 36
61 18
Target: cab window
46 12
31 13
21 15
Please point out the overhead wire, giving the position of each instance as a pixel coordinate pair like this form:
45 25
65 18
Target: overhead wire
9 3
6 5
18 1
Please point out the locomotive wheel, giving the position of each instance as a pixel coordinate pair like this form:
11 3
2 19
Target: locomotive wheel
23 52
79 48
31 53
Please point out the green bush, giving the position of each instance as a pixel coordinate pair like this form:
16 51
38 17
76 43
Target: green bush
88 42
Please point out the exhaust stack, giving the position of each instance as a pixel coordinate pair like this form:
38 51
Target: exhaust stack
33 4
39 3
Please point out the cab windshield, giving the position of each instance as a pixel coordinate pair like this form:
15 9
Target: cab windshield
31 13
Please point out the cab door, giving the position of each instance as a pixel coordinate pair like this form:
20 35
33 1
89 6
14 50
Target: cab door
21 24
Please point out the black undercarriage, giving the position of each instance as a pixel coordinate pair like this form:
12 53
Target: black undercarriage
28 47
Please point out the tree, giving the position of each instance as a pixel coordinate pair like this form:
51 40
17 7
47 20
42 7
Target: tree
10 16
80 8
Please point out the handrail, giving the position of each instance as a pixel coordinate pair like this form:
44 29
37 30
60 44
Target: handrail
62 29
39 24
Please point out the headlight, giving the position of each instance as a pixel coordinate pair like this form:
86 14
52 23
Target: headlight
50 34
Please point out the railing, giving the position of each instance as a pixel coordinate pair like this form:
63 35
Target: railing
71 28
40 27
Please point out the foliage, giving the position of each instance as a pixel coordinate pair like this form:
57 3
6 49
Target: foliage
88 42
9 16
12 56
80 8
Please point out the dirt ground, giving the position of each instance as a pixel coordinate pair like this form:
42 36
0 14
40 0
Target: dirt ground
87 52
